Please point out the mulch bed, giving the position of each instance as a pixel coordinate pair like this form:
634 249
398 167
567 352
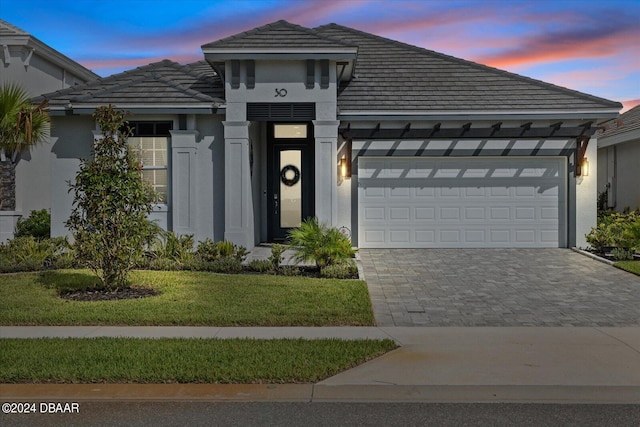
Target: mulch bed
93 294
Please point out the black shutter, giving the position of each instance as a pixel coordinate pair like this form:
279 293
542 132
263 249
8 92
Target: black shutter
281 112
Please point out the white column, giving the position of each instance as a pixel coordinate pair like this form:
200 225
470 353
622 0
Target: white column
587 196
238 201
326 151
183 181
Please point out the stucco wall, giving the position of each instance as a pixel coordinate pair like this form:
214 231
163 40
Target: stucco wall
41 76
33 176
618 165
71 139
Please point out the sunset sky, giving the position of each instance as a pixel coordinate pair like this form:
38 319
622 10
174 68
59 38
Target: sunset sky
589 45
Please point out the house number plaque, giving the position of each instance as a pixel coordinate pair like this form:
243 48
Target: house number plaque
281 93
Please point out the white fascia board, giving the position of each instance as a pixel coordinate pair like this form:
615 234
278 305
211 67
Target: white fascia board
600 114
195 108
621 138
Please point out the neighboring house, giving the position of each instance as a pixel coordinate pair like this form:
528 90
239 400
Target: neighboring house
619 161
38 69
402 146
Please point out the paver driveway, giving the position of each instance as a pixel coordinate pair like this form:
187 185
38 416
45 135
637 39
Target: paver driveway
498 287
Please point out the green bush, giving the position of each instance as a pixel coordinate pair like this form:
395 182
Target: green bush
37 225
30 254
229 265
290 270
621 254
276 257
615 229
261 266
209 251
347 270
169 246
319 243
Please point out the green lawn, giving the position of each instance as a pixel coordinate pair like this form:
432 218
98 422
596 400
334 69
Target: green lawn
630 266
188 298
129 360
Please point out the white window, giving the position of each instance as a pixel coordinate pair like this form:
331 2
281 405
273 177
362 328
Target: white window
152 141
153 152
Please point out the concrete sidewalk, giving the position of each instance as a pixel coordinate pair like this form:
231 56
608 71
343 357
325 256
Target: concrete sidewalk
482 364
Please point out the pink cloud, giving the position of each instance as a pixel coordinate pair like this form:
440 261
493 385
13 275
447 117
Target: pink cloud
629 104
590 42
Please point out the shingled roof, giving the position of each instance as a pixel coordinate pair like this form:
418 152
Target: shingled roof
626 123
277 35
391 76
6 29
161 83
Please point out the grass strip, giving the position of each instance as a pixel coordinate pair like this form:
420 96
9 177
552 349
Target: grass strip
188 299
630 266
180 360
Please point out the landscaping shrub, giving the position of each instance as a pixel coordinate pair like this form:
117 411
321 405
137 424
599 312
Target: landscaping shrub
228 265
276 257
168 246
290 270
30 254
615 229
319 243
37 225
261 266
347 270
622 254
209 251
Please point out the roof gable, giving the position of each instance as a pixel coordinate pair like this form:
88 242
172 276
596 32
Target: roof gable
161 83
391 76
14 36
277 35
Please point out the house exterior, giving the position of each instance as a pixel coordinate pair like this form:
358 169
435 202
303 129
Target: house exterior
38 69
397 145
618 160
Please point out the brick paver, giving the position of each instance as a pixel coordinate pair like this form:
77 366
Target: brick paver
498 287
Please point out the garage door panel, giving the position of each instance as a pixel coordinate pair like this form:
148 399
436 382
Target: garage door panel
455 208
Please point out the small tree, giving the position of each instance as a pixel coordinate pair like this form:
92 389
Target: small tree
109 217
22 126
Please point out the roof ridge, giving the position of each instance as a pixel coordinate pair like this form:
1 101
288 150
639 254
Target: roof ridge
273 25
499 71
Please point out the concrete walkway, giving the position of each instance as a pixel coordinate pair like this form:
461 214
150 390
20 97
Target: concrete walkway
481 364
498 287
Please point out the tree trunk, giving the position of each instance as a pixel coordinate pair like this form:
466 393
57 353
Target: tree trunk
7 185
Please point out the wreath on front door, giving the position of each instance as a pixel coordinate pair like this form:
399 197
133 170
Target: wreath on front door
290 175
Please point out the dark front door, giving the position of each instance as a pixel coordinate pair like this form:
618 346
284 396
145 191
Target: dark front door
291 177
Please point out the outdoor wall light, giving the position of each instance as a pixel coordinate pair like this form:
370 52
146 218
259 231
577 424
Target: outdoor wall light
584 168
343 167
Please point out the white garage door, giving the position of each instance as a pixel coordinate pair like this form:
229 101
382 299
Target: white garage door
461 202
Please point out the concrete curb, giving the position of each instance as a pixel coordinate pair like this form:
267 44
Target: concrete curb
592 256
319 393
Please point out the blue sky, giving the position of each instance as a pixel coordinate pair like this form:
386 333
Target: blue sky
588 45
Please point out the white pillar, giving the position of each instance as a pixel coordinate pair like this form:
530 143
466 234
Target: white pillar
587 196
183 181
326 169
238 201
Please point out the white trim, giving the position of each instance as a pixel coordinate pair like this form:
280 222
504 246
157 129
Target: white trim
555 113
621 138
